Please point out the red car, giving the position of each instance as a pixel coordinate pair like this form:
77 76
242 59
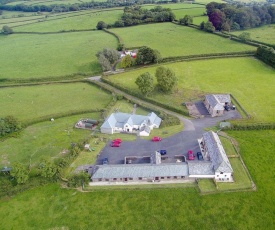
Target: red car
118 140
115 144
191 155
156 139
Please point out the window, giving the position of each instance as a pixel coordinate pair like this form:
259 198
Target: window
217 175
99 179
182 177
221 172
140 178
162 178
130 178
106 179
114 179
227 178
175 177
168 177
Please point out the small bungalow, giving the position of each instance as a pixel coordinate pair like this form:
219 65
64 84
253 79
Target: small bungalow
212 150
215 103
130 123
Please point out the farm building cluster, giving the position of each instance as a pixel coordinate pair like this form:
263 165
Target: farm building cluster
214 165
130 123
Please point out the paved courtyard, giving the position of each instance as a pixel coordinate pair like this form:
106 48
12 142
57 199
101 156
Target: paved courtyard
178 144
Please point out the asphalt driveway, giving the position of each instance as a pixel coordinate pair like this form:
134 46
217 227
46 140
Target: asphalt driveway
178 144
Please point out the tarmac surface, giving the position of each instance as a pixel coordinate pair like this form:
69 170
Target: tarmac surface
178 144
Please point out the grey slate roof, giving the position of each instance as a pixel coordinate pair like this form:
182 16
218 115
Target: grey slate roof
139 170
217 100
200 168
119 119
212 100
216 152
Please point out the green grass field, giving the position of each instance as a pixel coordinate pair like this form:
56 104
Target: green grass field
248 79
77 21
228 146
180 13
38 56
199 20
31 102
263 34
45 139
52 207
174 6
184 40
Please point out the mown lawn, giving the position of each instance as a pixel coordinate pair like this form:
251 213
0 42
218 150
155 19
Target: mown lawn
77 21
228 146
174 40
38 56
31 102
263 34
51 206
248 79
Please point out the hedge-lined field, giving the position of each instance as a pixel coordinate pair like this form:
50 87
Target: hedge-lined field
199 20
180 13
52 207
88 20
38 56
174 6
263 34
174 40
45 139
31 102
248 79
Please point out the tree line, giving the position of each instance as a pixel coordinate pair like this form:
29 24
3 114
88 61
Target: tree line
226 16
135 15
70 7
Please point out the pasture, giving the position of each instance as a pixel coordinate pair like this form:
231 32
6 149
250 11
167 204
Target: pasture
32 102
180 13
199 20
45 139
37 56
53 207
248 79
73 21
263 34
184 40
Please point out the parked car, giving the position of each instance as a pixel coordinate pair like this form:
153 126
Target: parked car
162 152
156 139
226 107
115 144
191 155
199 155
118 140
105 161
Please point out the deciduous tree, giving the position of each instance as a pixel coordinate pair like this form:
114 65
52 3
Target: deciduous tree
20 173
145 83
127 61
187 20
166 79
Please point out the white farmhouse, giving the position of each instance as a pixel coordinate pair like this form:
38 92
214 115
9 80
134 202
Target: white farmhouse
219 168
130 123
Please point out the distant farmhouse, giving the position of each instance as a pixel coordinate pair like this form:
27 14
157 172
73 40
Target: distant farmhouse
130 123
215 165
215 103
